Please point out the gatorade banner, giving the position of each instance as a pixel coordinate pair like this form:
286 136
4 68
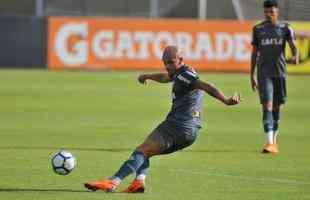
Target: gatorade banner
135 43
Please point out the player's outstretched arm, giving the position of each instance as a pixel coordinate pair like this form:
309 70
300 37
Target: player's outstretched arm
158 77
216 93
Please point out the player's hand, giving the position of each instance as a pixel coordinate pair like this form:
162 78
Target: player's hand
142 78
253 83
295 60
234 99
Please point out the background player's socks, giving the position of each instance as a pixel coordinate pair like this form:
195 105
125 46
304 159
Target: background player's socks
143 170
268 125
276 119
270 137
134 162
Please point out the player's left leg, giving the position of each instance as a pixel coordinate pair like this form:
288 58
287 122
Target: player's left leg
163 142
138 162
138 184
143 170
279 99
276 120
266 92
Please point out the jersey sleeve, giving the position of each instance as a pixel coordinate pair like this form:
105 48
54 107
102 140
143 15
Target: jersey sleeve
188 78
290 35
254 37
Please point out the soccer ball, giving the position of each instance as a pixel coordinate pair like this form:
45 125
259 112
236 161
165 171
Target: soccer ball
63 162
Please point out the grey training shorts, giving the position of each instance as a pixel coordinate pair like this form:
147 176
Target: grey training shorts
173 137
272 89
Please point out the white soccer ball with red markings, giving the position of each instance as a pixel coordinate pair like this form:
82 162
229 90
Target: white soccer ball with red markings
63 162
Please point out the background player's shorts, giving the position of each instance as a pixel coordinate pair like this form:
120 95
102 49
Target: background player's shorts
173 137
272 89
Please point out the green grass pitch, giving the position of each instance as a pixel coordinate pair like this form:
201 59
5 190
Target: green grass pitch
101 116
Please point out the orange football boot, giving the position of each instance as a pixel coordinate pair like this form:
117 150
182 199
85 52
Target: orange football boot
106 185
276 148
136 186
270 148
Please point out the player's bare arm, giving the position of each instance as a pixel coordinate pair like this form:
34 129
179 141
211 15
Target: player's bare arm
294 50
216 93
158 77
253 66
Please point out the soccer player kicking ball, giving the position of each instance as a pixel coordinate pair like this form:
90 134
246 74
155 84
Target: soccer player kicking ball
269 40
177 131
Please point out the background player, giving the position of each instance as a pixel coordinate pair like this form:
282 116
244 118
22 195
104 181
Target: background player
177 131
269 40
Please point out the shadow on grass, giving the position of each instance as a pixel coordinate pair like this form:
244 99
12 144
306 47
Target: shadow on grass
56 190
124 149
71 148
39 190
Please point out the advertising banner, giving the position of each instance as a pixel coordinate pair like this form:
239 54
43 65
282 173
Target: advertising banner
135 43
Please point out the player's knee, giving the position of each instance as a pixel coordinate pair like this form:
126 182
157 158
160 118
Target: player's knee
145 151
148 150
268 106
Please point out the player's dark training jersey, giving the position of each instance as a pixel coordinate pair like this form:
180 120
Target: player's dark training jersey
186 101
270 41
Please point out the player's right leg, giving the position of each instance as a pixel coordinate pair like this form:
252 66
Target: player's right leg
279 99
266 92
138 184
106 185
153 145
171 138
268 126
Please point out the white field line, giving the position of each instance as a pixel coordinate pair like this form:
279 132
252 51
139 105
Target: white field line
247 178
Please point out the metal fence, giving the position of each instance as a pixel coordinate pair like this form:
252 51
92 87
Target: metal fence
210 9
